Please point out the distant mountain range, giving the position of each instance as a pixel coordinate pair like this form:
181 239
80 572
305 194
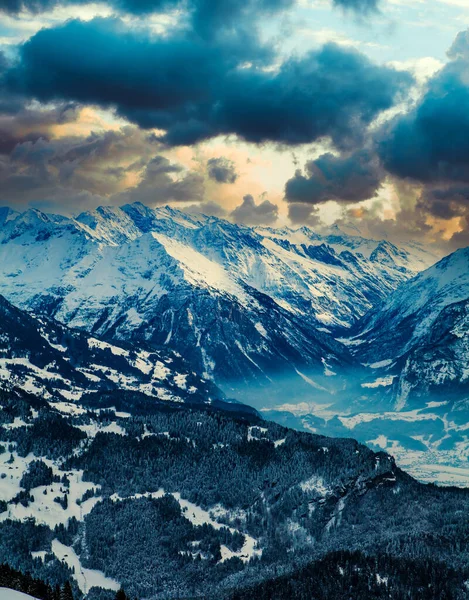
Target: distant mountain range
248 307
330 332
420 336
414 399
127 339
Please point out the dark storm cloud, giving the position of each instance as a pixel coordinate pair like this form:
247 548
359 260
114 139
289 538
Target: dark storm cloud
195 89
345 179
11 102
21 120
222 170
445 203
212 19
211 12
205 16
250 213
34 6
303 214
431 143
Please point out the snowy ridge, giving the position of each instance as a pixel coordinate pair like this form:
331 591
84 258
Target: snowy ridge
197 283
420 337
60 365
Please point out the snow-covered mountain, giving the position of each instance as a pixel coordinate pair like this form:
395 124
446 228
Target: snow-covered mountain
60 365
244 306
419 339
412 397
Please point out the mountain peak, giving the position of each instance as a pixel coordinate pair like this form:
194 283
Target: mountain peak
7 214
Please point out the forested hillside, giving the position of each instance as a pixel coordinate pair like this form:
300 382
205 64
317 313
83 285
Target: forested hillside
176 502
355 576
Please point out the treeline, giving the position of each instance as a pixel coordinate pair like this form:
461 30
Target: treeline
23 582
355 576
300 496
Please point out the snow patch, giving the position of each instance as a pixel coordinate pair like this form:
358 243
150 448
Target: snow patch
85 578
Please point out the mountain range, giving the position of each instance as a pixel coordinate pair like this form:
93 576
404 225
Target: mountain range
323 331
44 358
414 393
420 335
132 341
251 308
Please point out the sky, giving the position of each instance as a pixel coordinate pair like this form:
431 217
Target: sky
264 112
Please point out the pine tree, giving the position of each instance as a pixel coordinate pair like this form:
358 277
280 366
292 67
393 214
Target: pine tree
121 595
66 592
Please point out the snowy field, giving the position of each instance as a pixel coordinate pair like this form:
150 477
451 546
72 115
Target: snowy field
7 594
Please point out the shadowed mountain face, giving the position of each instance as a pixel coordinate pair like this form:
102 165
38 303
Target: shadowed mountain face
44 358
412 398
251 308
419 338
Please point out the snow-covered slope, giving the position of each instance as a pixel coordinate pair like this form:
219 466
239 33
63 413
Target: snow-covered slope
76 488
7 594
412 396
242 304
419 339
60 365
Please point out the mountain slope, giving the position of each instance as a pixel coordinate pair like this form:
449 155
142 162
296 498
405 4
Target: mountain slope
42 357
354 576
411 398
247 307
419 339
227 502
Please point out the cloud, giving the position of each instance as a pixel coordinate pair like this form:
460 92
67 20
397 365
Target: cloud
303 214
34 6
429 147
250 213
211 18
349 178
460 239
334 92
222 170
361 7
209 208
445 203
101 168
407 221
204 15
431 143
159 186
26 123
